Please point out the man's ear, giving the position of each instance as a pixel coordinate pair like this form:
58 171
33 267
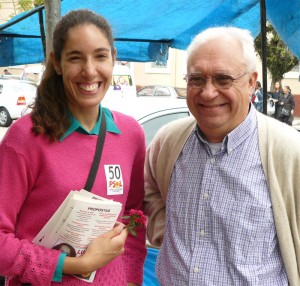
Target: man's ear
56 64
252 81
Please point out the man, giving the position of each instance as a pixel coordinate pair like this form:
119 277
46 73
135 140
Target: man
223 188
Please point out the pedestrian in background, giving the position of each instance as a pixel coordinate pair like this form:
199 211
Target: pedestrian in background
6 72
286 105
48 153
258 101
222 192
275 96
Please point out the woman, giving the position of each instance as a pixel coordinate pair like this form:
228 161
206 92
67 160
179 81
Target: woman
49 152
286 105
258 102
275 95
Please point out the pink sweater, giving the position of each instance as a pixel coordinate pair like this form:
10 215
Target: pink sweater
36 176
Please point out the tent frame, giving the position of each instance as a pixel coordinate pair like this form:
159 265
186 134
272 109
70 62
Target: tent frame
263 21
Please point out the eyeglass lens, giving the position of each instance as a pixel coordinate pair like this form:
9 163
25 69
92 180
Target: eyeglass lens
219 81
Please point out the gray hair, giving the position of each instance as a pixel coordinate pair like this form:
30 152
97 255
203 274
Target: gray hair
243 36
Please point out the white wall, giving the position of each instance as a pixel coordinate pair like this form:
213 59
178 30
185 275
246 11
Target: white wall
176 69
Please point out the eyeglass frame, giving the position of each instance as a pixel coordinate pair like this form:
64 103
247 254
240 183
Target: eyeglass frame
213 80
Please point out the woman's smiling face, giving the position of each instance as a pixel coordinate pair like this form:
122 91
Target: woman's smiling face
86 67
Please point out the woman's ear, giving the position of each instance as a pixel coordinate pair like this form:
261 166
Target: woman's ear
114 55
55 63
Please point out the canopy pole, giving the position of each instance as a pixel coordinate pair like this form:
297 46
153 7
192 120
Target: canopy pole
53 14
42 31
263 24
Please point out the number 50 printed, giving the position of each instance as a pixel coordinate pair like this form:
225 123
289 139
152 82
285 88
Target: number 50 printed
114 179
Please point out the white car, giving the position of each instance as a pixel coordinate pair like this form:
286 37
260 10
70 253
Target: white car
151 113
15 95
160 91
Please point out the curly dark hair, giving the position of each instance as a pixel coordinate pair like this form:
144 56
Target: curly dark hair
50 109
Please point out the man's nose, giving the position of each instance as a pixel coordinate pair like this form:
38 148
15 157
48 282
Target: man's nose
208 90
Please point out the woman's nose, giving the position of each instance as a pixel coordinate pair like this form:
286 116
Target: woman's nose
89 69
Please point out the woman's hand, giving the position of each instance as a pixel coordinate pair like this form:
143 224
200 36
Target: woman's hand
100 251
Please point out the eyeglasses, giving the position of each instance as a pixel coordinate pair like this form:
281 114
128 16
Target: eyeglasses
221 81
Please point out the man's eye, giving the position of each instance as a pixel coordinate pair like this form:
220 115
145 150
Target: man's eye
223 79
196 79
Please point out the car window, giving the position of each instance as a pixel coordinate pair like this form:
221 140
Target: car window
162 91
1 88
181 92
146 91
152 125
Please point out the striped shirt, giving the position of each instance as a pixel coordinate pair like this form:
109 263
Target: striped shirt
219 222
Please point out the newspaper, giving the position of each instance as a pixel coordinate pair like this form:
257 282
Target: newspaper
80 218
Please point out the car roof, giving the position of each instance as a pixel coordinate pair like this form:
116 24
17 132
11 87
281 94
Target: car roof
159 86
16 81
139 107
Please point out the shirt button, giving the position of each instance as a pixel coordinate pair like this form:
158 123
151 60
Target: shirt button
202 233
213 160
205 196
196 269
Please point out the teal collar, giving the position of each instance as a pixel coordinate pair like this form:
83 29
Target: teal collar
77 127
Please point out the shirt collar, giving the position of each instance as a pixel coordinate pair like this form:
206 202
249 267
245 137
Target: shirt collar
236 136
77 127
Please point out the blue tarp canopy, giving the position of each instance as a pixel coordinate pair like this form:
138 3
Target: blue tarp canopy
144 30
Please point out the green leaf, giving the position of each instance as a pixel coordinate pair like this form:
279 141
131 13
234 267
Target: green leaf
279 58
132 232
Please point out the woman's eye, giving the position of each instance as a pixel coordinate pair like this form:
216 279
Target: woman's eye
73 59
101 56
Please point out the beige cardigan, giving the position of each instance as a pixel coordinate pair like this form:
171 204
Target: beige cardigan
279 146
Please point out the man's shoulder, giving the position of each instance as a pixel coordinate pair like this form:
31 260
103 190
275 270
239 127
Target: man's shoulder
277 133
173 135
178 127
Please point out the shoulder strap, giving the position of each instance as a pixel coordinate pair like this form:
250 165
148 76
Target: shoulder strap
100 142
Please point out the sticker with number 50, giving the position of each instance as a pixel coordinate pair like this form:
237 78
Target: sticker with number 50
114 179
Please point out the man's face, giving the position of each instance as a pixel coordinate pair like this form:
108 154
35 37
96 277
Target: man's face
218 111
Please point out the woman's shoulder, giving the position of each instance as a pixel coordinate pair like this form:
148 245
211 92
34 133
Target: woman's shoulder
21 125
123 119
20 131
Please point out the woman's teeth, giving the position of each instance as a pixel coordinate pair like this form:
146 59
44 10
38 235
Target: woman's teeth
89 87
